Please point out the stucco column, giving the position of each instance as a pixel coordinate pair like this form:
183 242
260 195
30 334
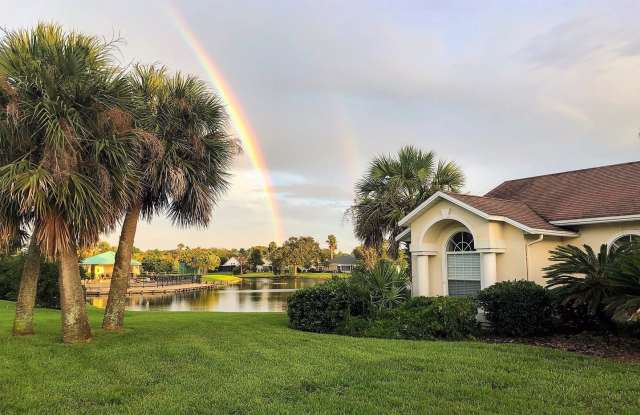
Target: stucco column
488 270
420 286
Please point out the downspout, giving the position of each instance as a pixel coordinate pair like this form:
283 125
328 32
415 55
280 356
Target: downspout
526 253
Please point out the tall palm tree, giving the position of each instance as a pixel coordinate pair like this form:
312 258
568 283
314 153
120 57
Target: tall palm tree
333 244
184 175
394 186
70 170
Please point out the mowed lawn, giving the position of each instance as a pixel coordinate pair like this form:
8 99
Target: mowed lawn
226 363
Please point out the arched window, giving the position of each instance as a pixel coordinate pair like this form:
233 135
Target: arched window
463 265
461 242
624 240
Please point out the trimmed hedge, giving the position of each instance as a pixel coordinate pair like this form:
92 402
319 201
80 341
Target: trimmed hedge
517 308
325 307
421 318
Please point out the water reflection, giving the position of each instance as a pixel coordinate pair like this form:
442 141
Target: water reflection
251 295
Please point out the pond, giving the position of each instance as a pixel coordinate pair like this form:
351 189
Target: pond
251 295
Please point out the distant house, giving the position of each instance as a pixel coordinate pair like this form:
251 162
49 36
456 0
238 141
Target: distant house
342 263
101 265
266 266
230 265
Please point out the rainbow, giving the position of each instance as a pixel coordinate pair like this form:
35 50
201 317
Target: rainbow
250 143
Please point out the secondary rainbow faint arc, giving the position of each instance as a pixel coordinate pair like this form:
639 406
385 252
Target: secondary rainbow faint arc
249 140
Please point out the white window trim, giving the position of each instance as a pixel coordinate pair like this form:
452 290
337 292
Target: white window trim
444 272
621 234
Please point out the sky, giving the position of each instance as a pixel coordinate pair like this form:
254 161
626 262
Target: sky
505 89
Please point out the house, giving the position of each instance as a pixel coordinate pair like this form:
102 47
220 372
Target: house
101 265
265 267
342 263
230 264
461 243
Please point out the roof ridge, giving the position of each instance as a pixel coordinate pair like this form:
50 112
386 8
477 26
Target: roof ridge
567 172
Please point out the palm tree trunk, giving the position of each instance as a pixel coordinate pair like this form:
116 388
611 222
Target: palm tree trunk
75 325
114 313
23 323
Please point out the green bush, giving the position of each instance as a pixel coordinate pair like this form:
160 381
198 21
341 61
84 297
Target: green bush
420 318
571 318
386 283
517 308
10 272
325 307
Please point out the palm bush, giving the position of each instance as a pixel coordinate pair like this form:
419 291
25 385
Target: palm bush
581 276
387 284
624 300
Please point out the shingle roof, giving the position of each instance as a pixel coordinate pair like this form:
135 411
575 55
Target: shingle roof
512 209
105 258
344 260
589 193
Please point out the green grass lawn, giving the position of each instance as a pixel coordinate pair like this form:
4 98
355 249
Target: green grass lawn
221 277
230 363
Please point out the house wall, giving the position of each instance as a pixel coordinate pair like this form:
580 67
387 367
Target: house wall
517 255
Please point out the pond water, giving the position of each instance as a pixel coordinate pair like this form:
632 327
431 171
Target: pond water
251 295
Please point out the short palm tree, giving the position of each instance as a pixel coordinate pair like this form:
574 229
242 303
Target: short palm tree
387 284
581 276
70 170
624 300
394 186
186 167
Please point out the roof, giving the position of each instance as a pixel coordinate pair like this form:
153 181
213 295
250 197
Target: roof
105 258
231 262
344 260
544 204
512 209
607 191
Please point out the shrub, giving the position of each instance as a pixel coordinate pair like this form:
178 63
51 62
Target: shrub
386 283
325 307
11 271
236 271
420 318
570 318
517 308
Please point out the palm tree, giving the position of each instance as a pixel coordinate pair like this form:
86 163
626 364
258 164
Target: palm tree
582 276
394 186
185 170
386 283
624 301
333 245
70 170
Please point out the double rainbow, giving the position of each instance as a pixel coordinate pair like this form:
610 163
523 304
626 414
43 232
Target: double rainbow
249 140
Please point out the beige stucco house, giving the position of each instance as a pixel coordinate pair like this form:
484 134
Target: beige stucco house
461 243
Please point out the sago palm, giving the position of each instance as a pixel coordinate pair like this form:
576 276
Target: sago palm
70 172
624 300
186 124
395 185
581 276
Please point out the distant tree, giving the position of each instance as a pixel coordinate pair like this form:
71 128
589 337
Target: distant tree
298 252
256 255
157 261
333 245
243 258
